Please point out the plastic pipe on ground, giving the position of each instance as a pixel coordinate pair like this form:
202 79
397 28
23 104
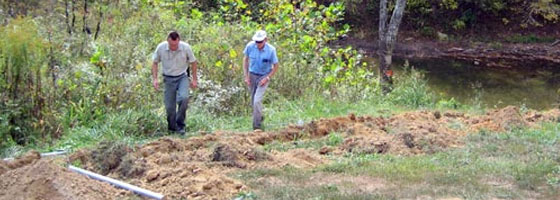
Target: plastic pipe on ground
117 183
54 153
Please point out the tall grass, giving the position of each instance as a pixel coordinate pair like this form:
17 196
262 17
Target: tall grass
143 123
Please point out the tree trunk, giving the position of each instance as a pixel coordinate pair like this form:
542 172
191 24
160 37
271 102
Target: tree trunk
86 12
67 14
388 30
98 27
73 16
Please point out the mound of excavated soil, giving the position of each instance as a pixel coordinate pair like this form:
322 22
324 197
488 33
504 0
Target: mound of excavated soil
33 178
17 163
197 167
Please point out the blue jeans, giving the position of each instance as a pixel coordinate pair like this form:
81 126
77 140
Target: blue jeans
176 99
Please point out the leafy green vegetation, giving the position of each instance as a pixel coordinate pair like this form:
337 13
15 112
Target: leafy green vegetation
64 76
70 81
460 16
531 38
64 72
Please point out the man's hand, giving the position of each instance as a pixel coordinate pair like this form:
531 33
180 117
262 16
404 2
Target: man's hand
194 83
248 81
154 76
156 84
264 81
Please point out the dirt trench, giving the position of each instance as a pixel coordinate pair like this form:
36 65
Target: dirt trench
200 167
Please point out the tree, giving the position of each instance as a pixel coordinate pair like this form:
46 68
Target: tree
388 29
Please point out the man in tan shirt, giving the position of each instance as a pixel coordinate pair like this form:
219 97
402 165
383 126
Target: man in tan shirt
175 57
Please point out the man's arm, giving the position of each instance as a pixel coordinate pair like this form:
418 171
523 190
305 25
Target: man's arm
194 82
154 75
274 69
246 69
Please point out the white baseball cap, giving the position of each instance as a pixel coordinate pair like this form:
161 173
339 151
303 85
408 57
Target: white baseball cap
260 35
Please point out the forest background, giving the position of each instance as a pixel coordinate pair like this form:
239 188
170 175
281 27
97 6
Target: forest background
74 72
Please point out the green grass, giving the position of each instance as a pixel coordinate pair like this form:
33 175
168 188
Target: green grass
140 125
519 164
333 139
292 186
314 192
528 39
147 122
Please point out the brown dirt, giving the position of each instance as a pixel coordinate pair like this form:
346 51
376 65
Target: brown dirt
26 159
35 178
198 167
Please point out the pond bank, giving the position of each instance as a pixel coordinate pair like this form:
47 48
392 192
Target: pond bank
494 54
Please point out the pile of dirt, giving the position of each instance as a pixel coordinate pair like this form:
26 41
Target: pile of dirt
198 167
26 159
195 168
35 178
410 133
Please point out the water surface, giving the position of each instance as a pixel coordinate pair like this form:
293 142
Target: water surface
534 86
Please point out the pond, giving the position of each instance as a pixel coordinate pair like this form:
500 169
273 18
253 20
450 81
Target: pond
533 87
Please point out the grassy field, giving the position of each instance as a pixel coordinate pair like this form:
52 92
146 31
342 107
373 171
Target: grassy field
520 164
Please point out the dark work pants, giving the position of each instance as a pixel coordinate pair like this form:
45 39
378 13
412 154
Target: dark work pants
176 99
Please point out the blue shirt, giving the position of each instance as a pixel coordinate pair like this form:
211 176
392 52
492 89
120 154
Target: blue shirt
260 60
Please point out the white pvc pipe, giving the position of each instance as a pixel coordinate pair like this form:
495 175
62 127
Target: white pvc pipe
54 153
117 183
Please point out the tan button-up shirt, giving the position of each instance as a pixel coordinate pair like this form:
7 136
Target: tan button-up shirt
174 63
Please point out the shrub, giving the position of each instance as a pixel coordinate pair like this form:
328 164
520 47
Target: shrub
22 65
411 90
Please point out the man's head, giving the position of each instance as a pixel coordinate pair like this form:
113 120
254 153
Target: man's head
173 40
260 38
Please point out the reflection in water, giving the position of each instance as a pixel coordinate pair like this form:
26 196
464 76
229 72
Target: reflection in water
534 88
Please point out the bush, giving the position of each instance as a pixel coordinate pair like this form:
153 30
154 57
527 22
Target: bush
527 39
411 90
22 63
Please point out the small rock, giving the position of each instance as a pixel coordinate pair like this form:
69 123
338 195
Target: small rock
152 175
437 114
207 186
164 159
325 150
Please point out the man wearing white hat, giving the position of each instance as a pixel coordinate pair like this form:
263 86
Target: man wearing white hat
260 63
